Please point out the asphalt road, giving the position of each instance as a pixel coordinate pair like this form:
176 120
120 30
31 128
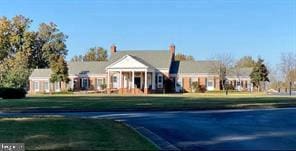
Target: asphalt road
209 130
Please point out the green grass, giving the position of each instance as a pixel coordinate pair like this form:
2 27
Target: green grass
128 103
57 133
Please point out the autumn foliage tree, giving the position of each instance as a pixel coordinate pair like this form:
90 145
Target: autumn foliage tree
93 54
183 57
59 69
22 50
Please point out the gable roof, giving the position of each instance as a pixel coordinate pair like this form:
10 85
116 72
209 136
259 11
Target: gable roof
76 68
234 72
160 59
41 73
90 67
128 61
192 67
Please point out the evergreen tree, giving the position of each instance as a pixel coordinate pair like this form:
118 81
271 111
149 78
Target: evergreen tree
259 74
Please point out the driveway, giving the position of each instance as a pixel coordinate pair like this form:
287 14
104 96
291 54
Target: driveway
207 130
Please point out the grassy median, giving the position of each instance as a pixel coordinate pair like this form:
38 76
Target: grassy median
131 103
58 133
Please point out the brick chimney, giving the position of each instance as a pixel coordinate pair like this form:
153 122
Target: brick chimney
113 49
172 49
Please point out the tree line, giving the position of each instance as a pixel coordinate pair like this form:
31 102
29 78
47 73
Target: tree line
22 50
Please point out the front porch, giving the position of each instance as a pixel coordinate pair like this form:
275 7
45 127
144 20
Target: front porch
130 75
130 82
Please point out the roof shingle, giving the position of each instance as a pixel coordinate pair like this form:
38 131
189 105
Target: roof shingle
159 59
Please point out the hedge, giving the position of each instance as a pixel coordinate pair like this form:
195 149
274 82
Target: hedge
12 93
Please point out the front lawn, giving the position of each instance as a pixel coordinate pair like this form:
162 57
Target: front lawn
131 103
58 133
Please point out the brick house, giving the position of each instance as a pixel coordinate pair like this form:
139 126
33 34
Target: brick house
132 72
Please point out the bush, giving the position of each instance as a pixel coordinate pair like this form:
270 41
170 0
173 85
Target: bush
12 93
103 86
229 87
196 88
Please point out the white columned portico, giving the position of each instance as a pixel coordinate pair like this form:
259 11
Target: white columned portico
145 83
130 67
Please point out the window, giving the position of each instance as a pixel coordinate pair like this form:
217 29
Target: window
70 84
36 85
115 82
210 83
100 82
159 81
84 83
46 86
114 79
57 86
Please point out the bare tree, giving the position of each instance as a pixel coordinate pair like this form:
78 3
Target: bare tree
226 62
288 67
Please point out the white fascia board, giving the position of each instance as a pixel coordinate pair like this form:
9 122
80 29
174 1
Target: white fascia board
130 70
39 78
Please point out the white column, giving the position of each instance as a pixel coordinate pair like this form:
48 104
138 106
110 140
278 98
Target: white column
108 80
120 79
153 80
133 79
72 84
146 81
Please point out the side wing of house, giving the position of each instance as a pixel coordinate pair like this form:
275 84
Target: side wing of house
89 76
240 79
204 73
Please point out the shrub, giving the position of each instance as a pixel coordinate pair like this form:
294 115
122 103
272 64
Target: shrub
229 87
0 92
103 86
196 88
201 89
12 93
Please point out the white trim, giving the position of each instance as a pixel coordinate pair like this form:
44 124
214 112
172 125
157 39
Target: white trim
131 69
145 80
38 78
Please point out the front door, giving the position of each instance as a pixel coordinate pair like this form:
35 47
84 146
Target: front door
138 82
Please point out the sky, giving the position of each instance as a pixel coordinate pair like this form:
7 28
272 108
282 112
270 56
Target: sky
201 28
